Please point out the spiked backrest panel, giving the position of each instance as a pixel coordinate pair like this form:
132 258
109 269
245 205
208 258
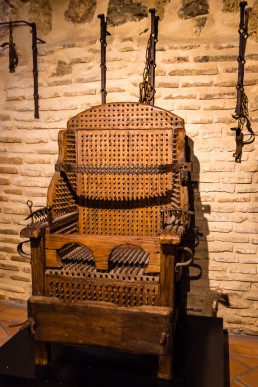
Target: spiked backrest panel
62 190
124 156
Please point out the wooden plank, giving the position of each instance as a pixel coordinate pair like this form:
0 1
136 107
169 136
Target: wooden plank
144 330
38 266
134 115
167 275
52 259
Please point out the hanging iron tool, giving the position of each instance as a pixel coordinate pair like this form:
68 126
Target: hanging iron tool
35 68
241 111
147 86
13 57
103 41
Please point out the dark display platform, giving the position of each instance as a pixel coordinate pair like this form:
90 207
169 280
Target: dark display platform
199 362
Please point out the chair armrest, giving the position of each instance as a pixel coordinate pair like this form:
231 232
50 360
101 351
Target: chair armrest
174 224
170 238
36 229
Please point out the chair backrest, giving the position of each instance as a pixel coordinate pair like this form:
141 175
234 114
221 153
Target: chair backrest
118 165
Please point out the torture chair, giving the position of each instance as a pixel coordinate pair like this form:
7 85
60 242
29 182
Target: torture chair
107 249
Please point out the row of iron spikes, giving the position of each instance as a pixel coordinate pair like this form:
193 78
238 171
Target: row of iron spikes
66 296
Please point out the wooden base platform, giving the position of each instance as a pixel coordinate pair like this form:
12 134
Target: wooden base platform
199 362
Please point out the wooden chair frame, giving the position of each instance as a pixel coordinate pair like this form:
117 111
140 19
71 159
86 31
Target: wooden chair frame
129 314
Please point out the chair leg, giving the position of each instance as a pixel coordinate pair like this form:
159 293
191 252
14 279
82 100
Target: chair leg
165 367
41 353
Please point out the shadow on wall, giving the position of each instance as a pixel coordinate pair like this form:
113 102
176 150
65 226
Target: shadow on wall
196 294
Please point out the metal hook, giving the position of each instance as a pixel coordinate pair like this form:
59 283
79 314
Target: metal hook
30 205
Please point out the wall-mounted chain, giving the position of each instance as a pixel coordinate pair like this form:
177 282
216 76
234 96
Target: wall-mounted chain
147 86
13 57
103 42
241 111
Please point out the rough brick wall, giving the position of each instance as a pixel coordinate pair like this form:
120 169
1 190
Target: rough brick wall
196 78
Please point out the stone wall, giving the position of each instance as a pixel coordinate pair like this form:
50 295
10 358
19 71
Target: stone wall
196 78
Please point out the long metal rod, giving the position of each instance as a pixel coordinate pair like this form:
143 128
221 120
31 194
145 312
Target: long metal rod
243 35
35 70
103 41
35 40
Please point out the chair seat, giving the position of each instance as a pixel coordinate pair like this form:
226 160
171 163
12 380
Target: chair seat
124 283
